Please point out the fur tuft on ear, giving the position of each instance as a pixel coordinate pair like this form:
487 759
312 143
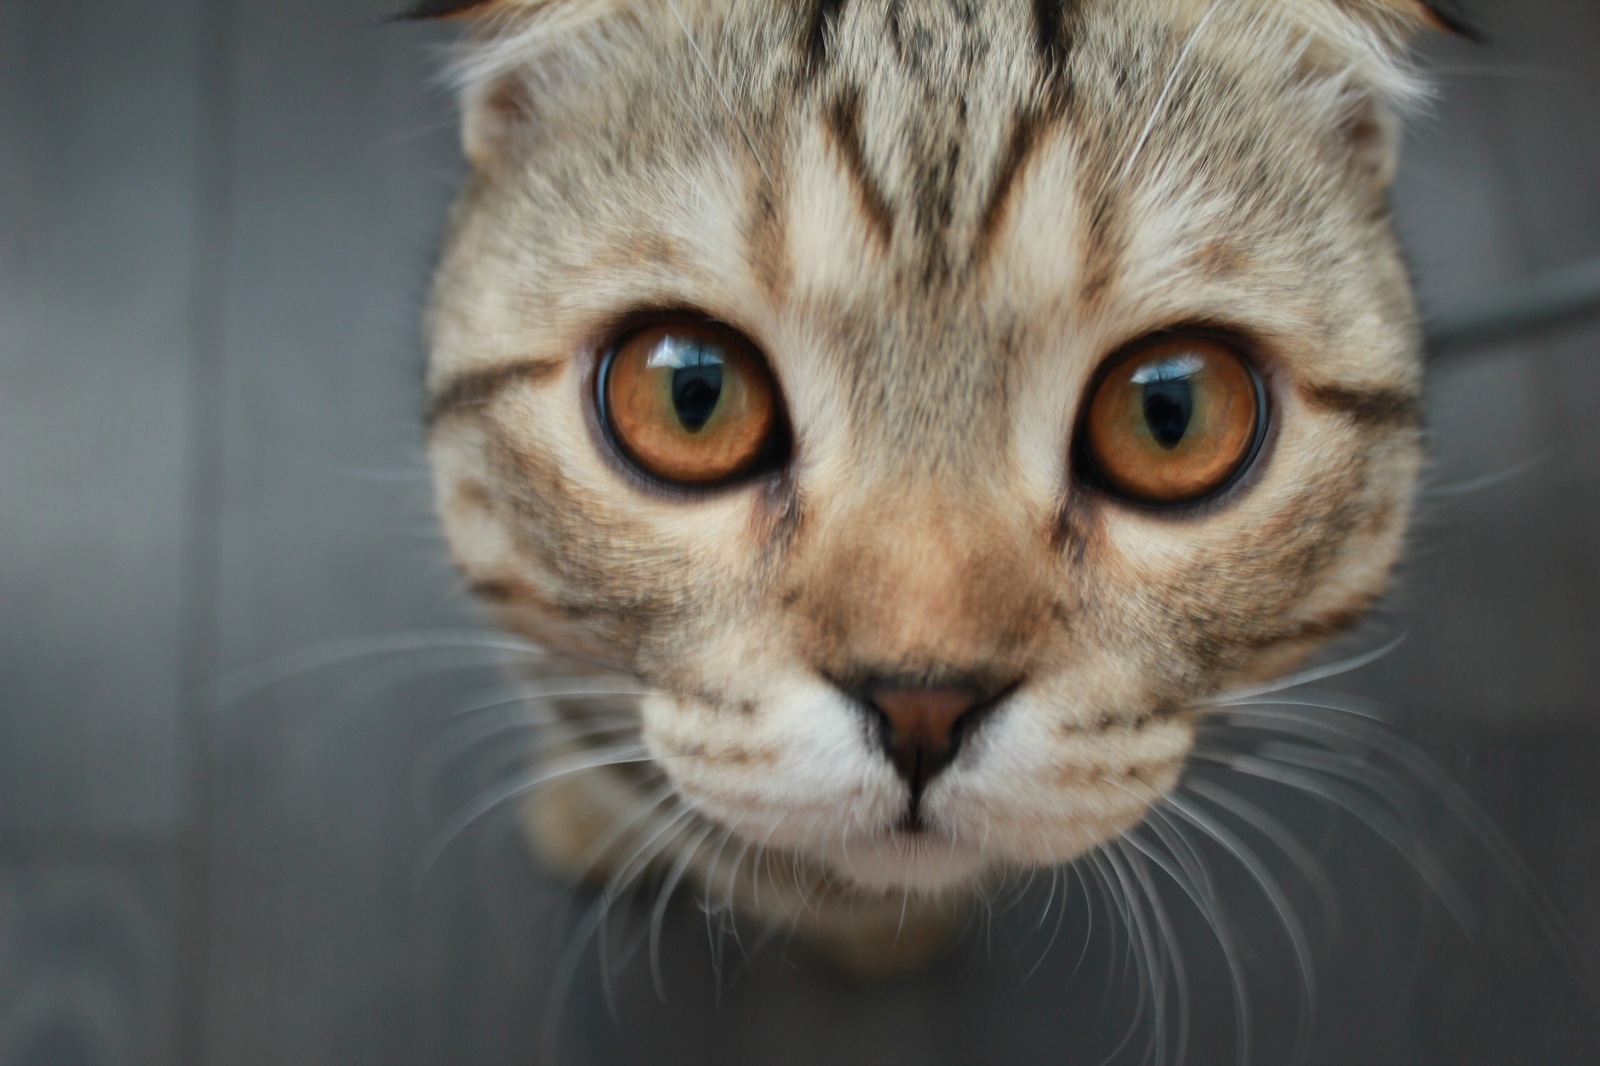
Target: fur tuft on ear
455 9
507 60
1421 14
1361 51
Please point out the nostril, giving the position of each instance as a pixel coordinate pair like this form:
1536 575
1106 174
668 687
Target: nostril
923 726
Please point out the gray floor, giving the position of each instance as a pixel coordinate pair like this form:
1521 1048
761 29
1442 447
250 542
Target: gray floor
216 221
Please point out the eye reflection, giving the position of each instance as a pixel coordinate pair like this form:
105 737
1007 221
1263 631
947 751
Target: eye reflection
1169 398
696 368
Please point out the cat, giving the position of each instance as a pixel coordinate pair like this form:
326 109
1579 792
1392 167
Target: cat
919 412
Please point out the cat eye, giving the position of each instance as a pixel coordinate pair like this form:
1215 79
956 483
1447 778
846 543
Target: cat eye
692 403
1174 421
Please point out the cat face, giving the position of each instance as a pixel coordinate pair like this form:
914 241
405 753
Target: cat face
934 405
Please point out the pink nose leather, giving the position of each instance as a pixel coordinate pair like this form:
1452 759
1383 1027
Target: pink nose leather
922 722
923 715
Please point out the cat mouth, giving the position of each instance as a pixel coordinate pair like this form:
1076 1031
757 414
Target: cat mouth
911 823
913 827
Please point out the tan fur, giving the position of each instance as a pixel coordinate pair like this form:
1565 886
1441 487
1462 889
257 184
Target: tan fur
937 219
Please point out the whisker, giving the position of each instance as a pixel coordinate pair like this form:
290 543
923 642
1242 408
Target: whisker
1172 949
1088 924
445 752
664 899
1156 963
1258 871
1196 887
1166 93
238 685
716 83
1486 481
1133 958
1133 961
633 866
549 691
1388 742
1277 834
1060 882
1353 770
714 941
1306 677
1388 828
566 971
594 918
1049 901
522 785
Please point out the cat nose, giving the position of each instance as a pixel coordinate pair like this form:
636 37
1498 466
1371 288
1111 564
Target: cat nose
923 727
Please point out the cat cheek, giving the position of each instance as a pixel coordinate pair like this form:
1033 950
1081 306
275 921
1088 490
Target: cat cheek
798 758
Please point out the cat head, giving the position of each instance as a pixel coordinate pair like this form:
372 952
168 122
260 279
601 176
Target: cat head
934 404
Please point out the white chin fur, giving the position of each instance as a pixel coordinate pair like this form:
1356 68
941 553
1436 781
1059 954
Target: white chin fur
926 864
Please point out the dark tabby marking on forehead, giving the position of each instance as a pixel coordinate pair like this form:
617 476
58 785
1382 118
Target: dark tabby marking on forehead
1026 129
824 28
1050 33
1367 407
843 121
478 387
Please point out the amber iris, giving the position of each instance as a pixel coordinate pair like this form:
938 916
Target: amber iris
691 403
1174 421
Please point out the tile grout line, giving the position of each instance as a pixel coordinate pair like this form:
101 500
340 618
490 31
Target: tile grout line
216 84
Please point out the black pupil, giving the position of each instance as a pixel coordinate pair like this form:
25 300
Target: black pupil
1168 409
697 389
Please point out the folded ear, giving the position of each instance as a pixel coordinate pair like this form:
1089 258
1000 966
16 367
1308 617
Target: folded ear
1370 58
508 54
451 9
1416 14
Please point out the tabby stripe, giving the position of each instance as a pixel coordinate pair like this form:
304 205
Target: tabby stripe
824 27
477 388
1367 407
1334 623
1025 136
504 591
1049 32
843 122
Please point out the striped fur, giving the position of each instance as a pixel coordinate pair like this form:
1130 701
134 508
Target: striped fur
937 219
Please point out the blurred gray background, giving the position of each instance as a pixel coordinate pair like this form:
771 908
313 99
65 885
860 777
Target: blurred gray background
216 224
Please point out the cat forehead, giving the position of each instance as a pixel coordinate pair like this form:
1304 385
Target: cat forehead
922 136
932 96
939 36
938 175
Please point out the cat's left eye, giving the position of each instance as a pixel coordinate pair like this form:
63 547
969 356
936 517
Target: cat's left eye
1174 421
692 403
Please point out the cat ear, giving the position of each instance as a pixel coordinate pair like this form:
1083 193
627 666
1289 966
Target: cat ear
495 73
1419 14
1380 82
454 9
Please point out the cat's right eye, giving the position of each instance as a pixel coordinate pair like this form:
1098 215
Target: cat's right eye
692 403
